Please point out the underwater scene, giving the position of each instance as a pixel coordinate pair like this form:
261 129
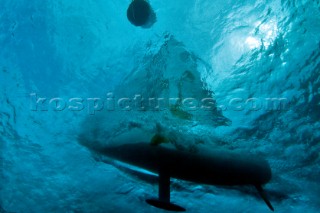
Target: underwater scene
160 106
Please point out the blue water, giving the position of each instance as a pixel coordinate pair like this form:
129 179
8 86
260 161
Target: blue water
64 65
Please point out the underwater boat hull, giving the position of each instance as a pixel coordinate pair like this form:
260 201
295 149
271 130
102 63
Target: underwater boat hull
219 167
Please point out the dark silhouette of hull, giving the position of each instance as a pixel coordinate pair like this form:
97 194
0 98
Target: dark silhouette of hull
214 168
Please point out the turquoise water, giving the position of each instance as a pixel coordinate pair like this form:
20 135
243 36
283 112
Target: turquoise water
237 75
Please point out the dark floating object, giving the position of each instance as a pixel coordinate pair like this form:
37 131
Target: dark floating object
141 14
218 167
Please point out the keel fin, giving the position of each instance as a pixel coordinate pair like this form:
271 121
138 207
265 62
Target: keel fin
163 202
165 205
